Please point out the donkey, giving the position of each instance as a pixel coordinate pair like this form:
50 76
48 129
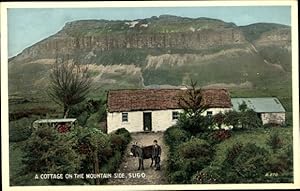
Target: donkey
142 153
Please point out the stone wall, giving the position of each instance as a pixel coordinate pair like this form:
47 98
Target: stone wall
275 118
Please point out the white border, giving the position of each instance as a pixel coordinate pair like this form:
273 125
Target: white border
4 94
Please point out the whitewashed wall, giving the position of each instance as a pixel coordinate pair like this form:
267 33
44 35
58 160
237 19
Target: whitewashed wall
277 118
161 119
134 123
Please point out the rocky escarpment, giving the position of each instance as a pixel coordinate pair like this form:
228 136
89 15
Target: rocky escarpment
196 36
165 50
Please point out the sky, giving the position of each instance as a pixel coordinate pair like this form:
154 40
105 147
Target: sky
27 26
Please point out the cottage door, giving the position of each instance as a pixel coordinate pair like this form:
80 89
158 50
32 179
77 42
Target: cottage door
147 121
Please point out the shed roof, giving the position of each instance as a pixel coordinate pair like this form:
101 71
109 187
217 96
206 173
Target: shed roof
63 120
259 105
160 99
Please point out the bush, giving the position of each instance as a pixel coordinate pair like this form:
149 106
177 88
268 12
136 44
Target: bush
82 118
208 175
48 151
20 130
245 163
218 119
195 148
112 164
93 121
218 136
190 157
125 134
282 161
118 142
232 119
174 136
194 124
275 141
246 119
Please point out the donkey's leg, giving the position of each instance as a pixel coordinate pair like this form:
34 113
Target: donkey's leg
142 164
151 162
139 164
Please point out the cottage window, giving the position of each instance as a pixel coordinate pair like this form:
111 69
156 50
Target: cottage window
175 115
124 117
209 113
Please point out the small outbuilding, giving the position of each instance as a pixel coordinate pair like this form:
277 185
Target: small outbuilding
55 123
268 109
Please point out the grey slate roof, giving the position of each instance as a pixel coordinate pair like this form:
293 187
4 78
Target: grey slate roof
259 105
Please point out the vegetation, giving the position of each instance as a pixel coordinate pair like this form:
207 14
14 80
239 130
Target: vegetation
20 130
201 152
85 149
82 150
69 84
244 156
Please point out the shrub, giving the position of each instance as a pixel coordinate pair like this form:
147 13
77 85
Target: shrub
82 118
218 136
218 119
117 142
245 163
195 148
174 136
191 156
232 118
246 119
93 121
20 130
275 141
194 124
282 161
208 175
48 151
124 133
249 119
179 176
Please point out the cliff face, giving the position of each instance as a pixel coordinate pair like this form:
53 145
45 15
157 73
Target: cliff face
197 40
165 50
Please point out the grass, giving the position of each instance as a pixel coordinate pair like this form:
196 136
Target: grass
257 136
15 156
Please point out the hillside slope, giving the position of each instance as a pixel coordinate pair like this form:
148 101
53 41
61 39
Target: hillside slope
160 51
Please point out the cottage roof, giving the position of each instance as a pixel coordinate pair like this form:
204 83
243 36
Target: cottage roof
259 105
161 99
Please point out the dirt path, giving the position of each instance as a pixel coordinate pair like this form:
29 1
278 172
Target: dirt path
130 164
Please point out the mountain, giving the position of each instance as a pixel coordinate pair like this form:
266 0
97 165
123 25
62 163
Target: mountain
164 51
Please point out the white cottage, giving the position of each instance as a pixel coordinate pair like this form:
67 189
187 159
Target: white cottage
155 109
268 109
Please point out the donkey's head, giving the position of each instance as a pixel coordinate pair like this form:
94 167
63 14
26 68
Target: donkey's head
134 148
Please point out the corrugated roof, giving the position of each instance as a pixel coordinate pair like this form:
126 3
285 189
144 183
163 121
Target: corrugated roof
161 99
259 105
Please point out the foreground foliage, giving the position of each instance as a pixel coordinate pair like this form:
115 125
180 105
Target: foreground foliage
82 150
260 155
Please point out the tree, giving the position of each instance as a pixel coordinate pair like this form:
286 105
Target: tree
69 84
192 101
193 105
